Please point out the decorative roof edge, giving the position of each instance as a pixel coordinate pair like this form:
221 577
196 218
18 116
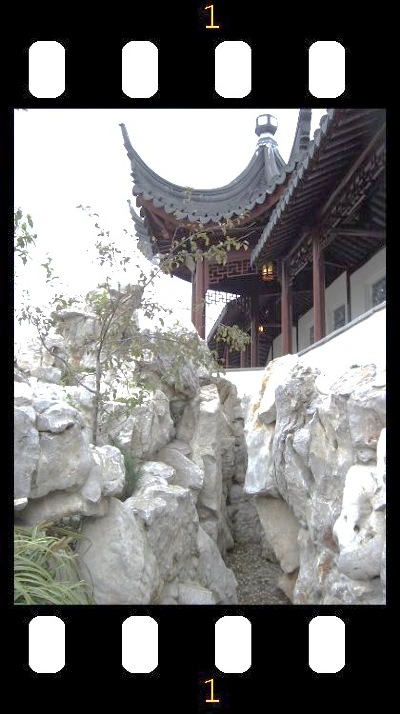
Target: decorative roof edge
265 171
296 177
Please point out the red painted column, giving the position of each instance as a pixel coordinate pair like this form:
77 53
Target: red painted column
254 330
226 356
193 314
318 289
199 306
286 311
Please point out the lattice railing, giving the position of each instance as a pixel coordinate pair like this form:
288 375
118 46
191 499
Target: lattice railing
230 270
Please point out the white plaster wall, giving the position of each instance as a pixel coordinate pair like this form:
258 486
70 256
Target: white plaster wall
362 280
278 344
294 339
305 322
247 381
335 296
362 343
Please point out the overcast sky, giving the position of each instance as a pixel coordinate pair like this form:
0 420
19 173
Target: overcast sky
68 157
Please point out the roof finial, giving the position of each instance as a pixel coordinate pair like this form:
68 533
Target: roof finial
266 126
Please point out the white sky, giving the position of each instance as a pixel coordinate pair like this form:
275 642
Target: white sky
76 156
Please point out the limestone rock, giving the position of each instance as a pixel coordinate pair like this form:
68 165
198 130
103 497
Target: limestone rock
192 594
169 594
260 475
281 529
47 374
58 505
324 457
20 503
243 516
383 572
187 474
171 524
152 428
46 394
65 462
360 530
212 571
34 359
26 450
342 590
287 582
200 427
107 475
184 378
381 458
315 565
294 405
57 418
181 446
23 394
152 471
80 330
274 375
19 375
118 560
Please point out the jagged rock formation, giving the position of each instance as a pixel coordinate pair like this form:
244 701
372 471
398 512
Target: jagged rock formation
317 470
164 544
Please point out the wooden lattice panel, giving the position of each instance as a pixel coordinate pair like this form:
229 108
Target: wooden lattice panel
231 270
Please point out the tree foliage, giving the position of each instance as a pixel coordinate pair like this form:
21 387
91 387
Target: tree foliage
24 238
123 356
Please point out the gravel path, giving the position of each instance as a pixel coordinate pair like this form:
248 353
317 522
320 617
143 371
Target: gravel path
257 578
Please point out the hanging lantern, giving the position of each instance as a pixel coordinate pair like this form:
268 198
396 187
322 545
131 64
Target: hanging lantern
261 328
267 272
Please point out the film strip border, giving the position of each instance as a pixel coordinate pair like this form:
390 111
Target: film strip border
190 63
232 71
197 641
186 637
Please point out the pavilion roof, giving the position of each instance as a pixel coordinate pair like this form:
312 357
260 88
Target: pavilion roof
265 172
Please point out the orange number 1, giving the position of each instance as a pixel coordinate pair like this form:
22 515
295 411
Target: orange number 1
212 26
212 700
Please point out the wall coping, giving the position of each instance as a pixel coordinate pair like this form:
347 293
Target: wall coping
327 338
348 326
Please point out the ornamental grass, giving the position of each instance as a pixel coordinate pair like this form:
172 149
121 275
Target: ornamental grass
46 567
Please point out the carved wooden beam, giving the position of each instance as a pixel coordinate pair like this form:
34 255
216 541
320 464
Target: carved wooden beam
358 232
375 147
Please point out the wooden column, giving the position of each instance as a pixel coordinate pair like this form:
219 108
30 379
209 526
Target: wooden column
348 291
242 359
286 312
199 283
254 330
226 357
318 289
193 297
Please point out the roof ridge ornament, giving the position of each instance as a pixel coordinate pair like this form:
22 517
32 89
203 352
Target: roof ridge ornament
266 126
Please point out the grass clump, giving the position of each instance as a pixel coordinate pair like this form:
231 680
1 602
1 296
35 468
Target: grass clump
46 567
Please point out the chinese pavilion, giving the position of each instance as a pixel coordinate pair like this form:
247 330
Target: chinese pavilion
312 224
